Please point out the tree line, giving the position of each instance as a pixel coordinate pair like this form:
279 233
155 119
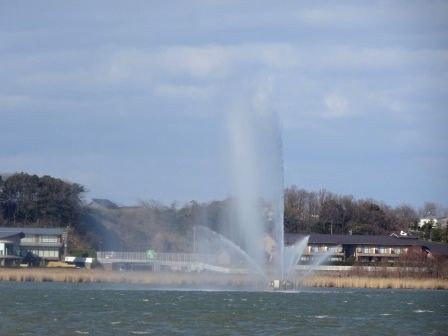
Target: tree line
30 200
326 212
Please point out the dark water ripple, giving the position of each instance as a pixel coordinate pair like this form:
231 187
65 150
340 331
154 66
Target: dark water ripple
59 309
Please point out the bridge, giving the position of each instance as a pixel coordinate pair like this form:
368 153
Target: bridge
192 262
186 262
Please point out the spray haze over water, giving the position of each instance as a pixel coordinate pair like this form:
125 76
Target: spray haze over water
256 181
254 240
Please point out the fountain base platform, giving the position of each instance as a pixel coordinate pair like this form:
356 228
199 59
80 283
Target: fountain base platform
278 284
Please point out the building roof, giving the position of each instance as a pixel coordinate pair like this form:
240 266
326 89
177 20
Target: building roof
11 234
32 230
436 248
103 203
338 239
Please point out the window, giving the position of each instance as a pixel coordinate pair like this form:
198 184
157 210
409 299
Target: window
53 254
9 249
27 239
335 249
365 249
47 253
49 239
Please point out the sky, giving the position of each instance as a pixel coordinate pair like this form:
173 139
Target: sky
128 97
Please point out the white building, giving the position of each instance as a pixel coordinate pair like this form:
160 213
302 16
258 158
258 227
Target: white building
9 247
46 243
427 220
442 223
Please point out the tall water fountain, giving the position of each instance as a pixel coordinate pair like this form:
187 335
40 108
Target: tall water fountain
256 183
256 235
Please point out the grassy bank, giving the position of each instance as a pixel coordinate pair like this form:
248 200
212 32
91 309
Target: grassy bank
375 282
101 276
208 280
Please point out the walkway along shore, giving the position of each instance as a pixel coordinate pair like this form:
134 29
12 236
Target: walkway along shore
209 280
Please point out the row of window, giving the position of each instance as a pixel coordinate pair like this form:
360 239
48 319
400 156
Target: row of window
324 248
362 249
43 253
40 239
332 258
380 250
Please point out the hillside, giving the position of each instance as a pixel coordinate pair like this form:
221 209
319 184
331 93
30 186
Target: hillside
29 200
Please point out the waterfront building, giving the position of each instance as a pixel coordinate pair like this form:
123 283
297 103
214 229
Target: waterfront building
364 248
47 244
344 249
9 247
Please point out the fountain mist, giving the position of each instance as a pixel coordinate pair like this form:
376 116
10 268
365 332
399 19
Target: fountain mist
292 256
209 240
255 236
256 180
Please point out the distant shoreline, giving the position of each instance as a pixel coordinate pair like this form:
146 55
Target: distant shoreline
210 280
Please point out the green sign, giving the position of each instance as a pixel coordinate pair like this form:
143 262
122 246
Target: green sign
151 254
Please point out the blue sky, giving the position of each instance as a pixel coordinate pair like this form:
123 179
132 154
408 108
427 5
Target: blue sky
127 98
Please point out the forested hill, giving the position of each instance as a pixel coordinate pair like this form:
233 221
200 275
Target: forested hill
30 200
33 201
325 212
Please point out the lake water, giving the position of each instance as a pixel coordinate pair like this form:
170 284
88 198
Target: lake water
93 309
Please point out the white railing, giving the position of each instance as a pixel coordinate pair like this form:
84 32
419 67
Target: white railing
116 256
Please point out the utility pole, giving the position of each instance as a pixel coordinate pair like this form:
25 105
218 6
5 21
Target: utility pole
194 240
65 240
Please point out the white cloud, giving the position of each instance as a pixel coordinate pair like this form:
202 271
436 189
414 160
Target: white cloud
390 59
200 62
336 106
376 15
183 91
